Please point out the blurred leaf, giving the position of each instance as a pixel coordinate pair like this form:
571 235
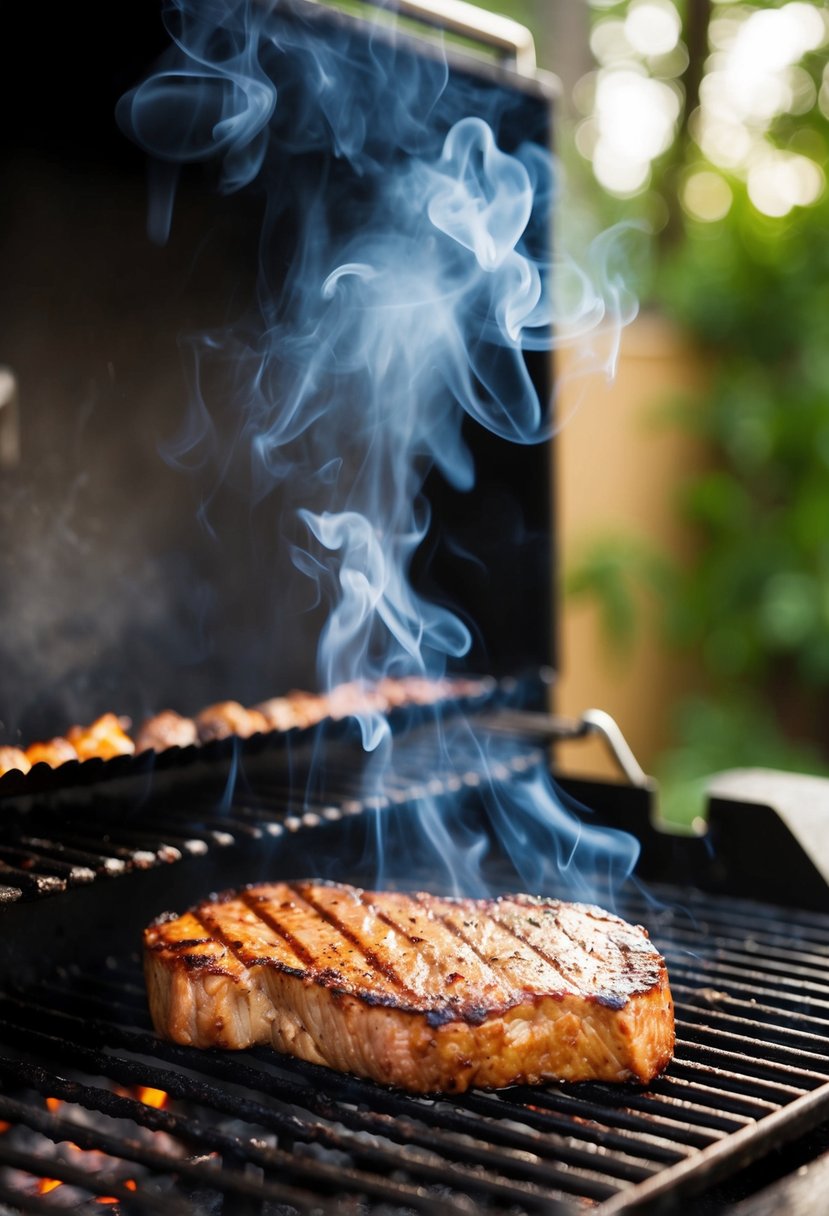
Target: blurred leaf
722 733
751 606
612 572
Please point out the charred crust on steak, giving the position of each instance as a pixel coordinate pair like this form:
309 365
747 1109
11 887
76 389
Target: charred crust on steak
299 972
203 962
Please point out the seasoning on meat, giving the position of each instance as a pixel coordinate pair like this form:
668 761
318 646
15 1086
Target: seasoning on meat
426 993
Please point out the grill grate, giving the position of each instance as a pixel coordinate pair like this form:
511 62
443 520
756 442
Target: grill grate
48 849
751 1071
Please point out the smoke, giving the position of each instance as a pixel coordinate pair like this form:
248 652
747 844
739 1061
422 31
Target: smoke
405 273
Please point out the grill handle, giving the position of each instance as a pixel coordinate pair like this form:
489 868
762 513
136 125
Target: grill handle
9 420
554 727
513 41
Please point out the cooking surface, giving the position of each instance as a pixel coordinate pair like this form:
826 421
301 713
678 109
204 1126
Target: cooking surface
751 1071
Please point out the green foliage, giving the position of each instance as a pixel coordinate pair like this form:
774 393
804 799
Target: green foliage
756 601
715 735
752 289
612 572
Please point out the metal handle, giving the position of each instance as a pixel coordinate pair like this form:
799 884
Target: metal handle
600 723
9 420
509 37
512 40
553 727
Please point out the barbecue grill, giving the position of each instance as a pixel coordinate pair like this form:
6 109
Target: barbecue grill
96 1110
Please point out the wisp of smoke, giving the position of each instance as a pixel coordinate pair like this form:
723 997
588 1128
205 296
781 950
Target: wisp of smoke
419 276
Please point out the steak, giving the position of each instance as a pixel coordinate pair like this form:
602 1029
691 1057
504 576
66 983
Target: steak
417 991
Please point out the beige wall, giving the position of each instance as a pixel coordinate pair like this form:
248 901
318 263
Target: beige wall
618 468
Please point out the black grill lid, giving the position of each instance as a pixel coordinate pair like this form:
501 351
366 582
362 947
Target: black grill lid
115 595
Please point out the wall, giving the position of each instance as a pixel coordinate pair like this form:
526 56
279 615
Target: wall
620 466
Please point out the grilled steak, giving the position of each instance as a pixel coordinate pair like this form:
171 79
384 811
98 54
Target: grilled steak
425 993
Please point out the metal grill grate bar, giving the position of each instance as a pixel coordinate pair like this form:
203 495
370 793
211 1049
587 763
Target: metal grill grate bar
106 846
233 823
516 1165
221 1175
784 988
704 977
72 873
705 1017
755 1068
98 862
604 1115
100 1184
774 957
712 1000
813 1050
31 885
18 1202
553 1177
556 1153
710 916
704 1099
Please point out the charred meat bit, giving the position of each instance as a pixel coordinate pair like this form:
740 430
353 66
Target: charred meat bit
278 713
308 707
167 729
13 758
106 737
227 718
54 752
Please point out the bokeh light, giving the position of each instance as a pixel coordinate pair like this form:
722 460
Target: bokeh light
755 74
707 196
653 27
780 181
635 122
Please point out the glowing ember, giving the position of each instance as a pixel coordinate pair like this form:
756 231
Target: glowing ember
93 1161
129 1185
152 1097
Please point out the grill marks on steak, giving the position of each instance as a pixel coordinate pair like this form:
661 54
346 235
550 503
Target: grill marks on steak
415 990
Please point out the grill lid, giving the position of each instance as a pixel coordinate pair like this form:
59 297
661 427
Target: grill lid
135 606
